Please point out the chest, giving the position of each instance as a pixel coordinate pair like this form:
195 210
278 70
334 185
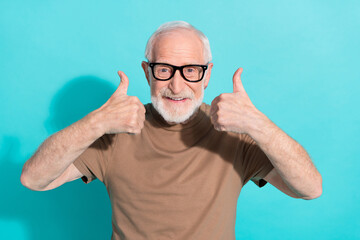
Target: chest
142 172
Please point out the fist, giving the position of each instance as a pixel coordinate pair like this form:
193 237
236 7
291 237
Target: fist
233 112
122 113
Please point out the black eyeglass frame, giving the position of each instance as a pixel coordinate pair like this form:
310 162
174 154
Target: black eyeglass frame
180 68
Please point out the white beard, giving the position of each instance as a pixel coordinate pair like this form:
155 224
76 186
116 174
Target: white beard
177 114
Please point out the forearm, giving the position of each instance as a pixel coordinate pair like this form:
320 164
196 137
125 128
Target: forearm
60 150
289 158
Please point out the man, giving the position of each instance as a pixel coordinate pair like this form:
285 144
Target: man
174 168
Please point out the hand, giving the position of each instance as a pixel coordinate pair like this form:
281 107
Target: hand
233 112
121 113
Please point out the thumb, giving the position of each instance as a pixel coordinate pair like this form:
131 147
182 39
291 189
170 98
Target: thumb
124 83
237 84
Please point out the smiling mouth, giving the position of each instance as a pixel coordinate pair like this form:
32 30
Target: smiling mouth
176 99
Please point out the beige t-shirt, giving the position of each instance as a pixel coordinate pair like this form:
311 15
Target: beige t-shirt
174 182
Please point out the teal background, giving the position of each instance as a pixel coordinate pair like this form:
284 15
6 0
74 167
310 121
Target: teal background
59 61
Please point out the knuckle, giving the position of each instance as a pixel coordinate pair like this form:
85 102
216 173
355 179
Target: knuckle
214 101
129 99
221 120
137 130
128 129
131 129
135 107
212 109
129 124
218 114
134 99
141 124
212 120
132 121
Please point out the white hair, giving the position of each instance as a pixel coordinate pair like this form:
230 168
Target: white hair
170 26
176 114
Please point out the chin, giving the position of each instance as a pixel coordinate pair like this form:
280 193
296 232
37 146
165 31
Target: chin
176 112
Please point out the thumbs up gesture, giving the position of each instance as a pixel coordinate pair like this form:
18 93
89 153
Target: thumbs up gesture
234 112
121 113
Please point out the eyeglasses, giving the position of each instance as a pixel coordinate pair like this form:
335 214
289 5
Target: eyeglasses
191 73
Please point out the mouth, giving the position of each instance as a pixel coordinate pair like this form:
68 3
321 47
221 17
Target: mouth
176 99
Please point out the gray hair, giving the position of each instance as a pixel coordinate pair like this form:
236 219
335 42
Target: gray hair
169 26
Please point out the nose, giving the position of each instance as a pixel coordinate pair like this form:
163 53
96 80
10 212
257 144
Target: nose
177 82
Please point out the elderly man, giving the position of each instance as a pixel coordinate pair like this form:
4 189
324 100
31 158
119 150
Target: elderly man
174 169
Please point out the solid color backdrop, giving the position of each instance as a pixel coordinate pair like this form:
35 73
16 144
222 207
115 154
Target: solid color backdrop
59 61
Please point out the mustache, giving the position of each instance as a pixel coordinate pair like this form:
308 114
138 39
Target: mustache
166 92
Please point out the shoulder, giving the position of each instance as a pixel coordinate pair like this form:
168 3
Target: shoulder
105 142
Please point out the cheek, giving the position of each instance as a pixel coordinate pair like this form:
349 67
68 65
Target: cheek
153 90
197 90
156 87
198 93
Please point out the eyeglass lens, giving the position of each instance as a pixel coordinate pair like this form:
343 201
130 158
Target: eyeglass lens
191 73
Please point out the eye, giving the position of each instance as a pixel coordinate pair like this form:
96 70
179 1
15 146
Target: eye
162 71
191 70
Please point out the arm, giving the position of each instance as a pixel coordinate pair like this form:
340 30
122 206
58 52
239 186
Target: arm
289 158
275 179
294 171
60 150
52 166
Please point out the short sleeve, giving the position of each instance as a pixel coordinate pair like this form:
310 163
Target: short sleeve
92 163
255 165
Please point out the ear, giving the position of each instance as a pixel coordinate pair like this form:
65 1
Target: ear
145 66
208 74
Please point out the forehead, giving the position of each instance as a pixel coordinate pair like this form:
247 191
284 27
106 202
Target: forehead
178 47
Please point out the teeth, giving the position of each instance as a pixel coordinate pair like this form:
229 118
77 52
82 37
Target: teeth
176 99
